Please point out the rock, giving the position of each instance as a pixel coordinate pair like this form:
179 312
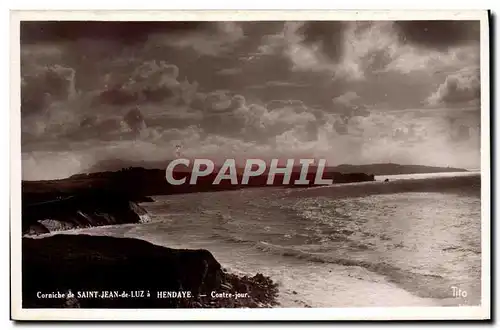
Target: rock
78 263
56 225
90 263
85 209
226 286
37 229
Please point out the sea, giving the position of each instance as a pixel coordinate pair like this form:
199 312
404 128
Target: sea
372 244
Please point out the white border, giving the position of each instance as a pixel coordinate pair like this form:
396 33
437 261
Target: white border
247 15
392 313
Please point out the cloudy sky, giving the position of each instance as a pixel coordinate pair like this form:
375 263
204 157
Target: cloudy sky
350 92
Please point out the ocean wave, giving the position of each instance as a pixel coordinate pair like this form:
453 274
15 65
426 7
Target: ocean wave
436 286
231 239
321 257
462 249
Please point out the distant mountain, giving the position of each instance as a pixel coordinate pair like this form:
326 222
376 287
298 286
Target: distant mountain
113 165
393 169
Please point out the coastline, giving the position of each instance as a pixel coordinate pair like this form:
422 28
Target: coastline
111 272
53 257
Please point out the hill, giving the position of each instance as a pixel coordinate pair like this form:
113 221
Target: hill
393 169
112 165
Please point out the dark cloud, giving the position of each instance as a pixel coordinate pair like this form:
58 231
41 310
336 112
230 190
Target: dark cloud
92 127
125 32
151 82
217 39
46 85
170 121
329 36
115 96
135 120
262 28
376 61
438 34
88 121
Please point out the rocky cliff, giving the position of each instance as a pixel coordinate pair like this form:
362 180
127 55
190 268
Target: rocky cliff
110 272
47 213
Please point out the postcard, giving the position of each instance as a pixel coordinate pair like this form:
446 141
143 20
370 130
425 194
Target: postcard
250 165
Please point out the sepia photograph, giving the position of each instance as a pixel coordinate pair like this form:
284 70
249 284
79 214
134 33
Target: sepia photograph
170 164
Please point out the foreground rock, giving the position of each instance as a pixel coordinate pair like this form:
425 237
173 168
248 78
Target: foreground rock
45 212
109 272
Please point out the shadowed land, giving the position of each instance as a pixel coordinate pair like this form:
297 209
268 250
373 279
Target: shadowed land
86 263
